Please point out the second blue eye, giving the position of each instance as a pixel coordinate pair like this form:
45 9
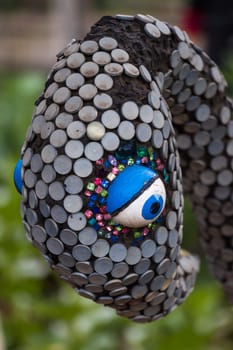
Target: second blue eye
152 207
17 176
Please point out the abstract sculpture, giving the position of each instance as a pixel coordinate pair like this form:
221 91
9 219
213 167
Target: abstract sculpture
100 172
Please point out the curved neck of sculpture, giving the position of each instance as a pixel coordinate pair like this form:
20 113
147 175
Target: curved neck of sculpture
198 104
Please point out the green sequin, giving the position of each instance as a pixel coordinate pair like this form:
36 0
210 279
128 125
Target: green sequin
137 234
142 151
111 222
130 161
104 193
101 233
121 167
151 153
90 186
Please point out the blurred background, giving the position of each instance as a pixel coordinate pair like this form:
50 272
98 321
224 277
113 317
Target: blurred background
37 310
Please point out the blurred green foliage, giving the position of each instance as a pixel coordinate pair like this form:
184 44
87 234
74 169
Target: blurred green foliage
19 5
38 311
129 5
228 71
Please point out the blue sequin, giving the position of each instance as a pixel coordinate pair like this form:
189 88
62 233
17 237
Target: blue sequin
105 184
126 149
96 227
103 200
91 204
114 239
93 197
140 238
159 220
112 160
107 164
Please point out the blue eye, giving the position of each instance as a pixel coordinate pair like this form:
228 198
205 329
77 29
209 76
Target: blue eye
17 176
152 207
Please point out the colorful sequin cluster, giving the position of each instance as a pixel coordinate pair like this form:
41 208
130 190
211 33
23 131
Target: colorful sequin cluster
97 191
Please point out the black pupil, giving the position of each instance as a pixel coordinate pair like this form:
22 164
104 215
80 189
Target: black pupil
154 207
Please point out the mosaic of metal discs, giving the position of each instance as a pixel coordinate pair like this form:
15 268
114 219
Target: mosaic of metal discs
100 172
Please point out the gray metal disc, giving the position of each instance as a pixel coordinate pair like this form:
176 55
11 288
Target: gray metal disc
110 141
142 266
74 149
146 277
51 227
93 151
56 191
103 82
83 167
152 30
81 252
110 119
68 237
156 283
84 267
148 248
159 254
74 81
77 221
130 110
89 47
114 69
73 203
100 248
102 101
146 113
89 69
73 184
126 130
119 56
103 265
143 132
101 58
87 236
130 70
108 43
62 164
55 246
118 252
161 235
75 60
133 255
120 270
58 214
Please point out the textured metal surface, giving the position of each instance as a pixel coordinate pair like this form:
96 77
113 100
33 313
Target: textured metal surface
106 106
